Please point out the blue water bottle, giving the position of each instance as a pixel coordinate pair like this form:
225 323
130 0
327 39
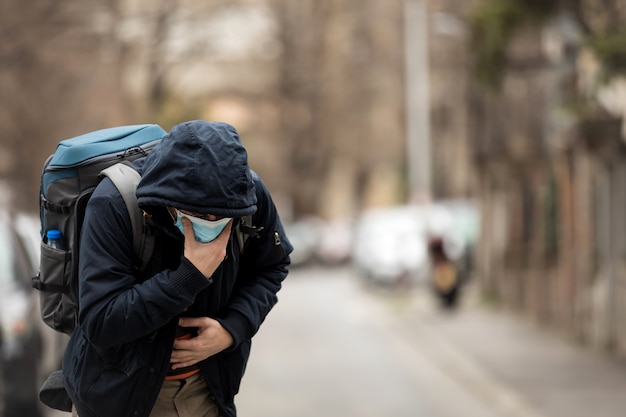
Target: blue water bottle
55 239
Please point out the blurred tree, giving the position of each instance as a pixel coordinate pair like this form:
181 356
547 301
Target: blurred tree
495 22
57 79
342 103
333 77
549 153
300 33
72 66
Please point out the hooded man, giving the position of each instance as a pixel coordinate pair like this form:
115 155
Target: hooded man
174 340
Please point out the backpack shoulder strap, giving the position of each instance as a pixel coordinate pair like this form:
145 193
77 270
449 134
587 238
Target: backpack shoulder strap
245 230
125 178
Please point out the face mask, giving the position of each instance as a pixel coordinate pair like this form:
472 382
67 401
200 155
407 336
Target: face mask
203 230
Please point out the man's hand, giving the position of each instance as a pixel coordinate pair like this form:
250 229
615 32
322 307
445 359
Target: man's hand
212 338
207 257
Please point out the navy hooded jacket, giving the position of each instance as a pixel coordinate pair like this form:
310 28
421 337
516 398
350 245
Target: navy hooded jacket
119 353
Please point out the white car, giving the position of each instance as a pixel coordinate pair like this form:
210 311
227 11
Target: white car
21 339
53 342
390 244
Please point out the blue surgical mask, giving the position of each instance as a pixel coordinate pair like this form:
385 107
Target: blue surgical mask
203 230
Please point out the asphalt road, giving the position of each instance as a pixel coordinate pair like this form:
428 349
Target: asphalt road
334 347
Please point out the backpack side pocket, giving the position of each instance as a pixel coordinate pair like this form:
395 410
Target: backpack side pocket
57 304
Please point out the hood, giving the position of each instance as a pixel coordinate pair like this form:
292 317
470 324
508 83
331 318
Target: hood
200 167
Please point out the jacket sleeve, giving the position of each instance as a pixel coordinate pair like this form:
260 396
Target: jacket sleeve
114 307
263 267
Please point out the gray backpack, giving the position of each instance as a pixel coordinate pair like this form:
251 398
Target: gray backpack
68 180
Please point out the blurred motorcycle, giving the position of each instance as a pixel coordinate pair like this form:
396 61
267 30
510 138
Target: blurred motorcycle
448 274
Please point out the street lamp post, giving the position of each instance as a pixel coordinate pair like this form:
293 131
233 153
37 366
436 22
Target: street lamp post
417 99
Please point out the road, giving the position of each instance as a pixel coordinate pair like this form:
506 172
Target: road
333 347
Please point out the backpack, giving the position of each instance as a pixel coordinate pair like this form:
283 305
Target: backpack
68 180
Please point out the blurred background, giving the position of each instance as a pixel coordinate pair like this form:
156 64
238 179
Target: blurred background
458 149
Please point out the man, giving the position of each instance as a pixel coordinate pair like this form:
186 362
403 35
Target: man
174 340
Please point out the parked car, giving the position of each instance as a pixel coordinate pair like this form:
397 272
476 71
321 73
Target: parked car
390 245
53 342
393 244
304 235
21 348
336 240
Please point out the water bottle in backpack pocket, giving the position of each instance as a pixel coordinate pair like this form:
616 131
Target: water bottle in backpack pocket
58 307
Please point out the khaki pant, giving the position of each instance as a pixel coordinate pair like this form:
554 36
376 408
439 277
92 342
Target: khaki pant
184 398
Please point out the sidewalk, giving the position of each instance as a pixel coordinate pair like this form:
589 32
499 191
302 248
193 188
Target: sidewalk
517 367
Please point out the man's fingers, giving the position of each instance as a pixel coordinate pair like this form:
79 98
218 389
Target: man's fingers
178 365
192 321
181 359
187 227
182 345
